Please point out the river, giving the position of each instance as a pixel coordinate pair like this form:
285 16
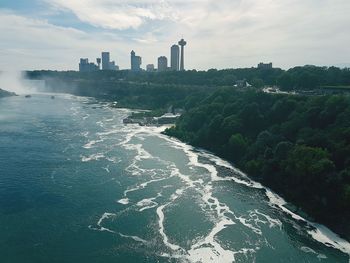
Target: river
76 185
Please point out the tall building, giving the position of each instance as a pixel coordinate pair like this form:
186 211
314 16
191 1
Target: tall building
150 67
105 61
162 63
85 66
175 57
182 44
136 61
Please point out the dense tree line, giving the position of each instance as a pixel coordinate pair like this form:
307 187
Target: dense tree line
311 77
297 145
298 78
138 95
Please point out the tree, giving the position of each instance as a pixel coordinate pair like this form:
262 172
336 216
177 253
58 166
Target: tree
238 146
285 81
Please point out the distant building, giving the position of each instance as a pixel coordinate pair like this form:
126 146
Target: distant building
265 66
136 61
113 66
162 63
150 67
85 66
105 61
175 58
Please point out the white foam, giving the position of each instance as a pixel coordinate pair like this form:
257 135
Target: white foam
106 169
93 157
320 233
124 201
99 223
271 221
311 251
135 238
160 214
209 249
90 144
103 229
147 203
143 185
326 236
104 216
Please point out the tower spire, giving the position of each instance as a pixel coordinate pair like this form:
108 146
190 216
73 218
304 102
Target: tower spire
182 44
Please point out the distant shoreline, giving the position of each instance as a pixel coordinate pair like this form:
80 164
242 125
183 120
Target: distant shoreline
5 93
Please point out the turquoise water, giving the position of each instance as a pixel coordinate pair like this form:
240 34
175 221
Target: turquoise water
76 185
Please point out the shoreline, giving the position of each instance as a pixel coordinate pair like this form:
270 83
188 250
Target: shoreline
5 93
317 231
286 205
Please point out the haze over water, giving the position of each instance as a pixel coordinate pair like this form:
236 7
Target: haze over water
76 185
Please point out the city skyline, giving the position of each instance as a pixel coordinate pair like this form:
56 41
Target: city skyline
43 34
176 62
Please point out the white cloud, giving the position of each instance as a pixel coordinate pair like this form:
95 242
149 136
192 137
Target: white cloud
219 33
110 14
27 43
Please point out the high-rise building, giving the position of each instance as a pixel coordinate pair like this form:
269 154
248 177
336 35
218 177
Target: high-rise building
105 61
150 67
175 57
85 66
136 61
162 63
182 44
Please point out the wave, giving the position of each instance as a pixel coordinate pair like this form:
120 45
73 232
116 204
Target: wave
318 232
207 248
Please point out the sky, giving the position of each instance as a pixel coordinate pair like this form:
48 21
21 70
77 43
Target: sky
55 34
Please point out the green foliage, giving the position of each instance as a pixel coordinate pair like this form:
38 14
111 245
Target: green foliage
238 146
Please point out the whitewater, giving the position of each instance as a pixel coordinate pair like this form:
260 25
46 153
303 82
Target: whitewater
79 185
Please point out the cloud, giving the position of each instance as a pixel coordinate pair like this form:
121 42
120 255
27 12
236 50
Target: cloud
27 43
220 34
120 14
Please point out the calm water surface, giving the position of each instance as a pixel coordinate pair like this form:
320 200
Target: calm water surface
76 185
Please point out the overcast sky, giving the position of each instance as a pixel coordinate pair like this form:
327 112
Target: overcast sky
54 34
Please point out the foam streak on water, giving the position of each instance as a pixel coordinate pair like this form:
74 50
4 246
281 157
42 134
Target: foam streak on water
208 247
145 196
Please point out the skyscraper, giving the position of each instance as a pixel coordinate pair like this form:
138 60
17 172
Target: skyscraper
175 57
162 64
182 44
150 67
105 61
85 66
136 61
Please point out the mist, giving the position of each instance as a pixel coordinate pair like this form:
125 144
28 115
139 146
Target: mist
14 81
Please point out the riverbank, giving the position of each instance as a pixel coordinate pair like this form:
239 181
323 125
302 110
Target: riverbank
126 193
295 145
